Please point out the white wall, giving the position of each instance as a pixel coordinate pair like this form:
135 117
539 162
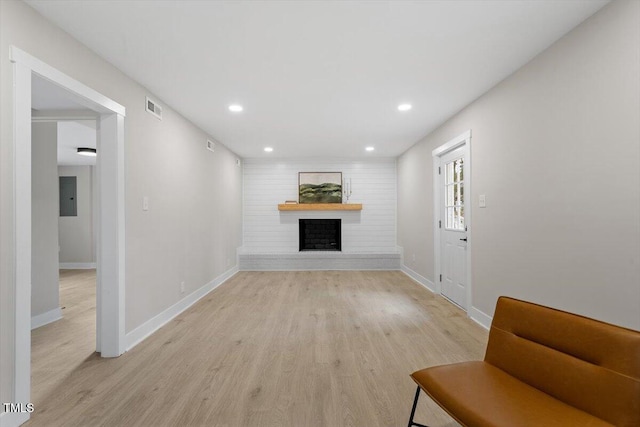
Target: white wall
76 233
270 182
44 221
193 227
556 151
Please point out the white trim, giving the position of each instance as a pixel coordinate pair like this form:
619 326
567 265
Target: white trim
143 331
13 419
46 318
480 318
110 277
81 93
418 278
452 144
62 115
112 195
22 230
77 265
436 222
463 139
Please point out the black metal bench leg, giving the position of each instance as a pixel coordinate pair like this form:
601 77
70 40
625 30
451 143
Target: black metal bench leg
413 410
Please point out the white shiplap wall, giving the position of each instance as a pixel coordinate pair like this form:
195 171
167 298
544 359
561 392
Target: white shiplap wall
269 182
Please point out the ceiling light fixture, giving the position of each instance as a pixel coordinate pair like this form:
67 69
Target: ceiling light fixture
236 108
268 149
86 151
404 107
370 148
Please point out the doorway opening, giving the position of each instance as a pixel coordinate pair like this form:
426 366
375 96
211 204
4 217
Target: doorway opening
452 219
63 258
110 332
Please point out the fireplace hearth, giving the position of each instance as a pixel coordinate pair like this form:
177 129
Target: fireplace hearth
320 235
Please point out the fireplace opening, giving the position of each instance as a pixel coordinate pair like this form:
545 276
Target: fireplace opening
320 235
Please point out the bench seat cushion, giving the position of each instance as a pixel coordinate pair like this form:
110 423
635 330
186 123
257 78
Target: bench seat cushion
478 394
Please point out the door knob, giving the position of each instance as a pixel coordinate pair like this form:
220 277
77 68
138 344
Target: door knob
464 240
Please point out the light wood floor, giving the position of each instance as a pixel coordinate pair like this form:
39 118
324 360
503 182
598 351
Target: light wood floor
264 349
61 347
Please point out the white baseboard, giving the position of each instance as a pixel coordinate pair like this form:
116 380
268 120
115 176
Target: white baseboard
480 318
474 314
419 278
46 318
77 265
136 336
13 419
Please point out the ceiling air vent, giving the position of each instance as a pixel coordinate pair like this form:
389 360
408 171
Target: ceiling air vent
154 108
211 145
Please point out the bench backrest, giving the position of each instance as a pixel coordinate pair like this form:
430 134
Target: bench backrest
588 364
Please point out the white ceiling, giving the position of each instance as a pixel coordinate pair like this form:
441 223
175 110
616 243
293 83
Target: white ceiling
318 78
47 96
73 135
52 103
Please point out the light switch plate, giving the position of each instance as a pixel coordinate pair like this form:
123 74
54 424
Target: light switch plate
482 201
145 203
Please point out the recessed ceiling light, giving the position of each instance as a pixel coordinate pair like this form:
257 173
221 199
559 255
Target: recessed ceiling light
370 148
236 108
86 151
268 149
404 107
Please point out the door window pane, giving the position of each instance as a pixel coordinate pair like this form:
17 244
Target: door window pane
454 195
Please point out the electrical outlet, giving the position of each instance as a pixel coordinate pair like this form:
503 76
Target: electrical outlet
228 262
181 287
413 257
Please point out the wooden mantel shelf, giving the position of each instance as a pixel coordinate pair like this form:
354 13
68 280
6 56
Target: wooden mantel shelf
320 207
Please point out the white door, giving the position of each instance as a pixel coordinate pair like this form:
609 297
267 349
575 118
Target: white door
453 230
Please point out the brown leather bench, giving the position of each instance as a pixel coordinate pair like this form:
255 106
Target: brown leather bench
544 368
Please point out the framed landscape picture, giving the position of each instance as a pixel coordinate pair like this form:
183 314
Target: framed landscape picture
320 187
